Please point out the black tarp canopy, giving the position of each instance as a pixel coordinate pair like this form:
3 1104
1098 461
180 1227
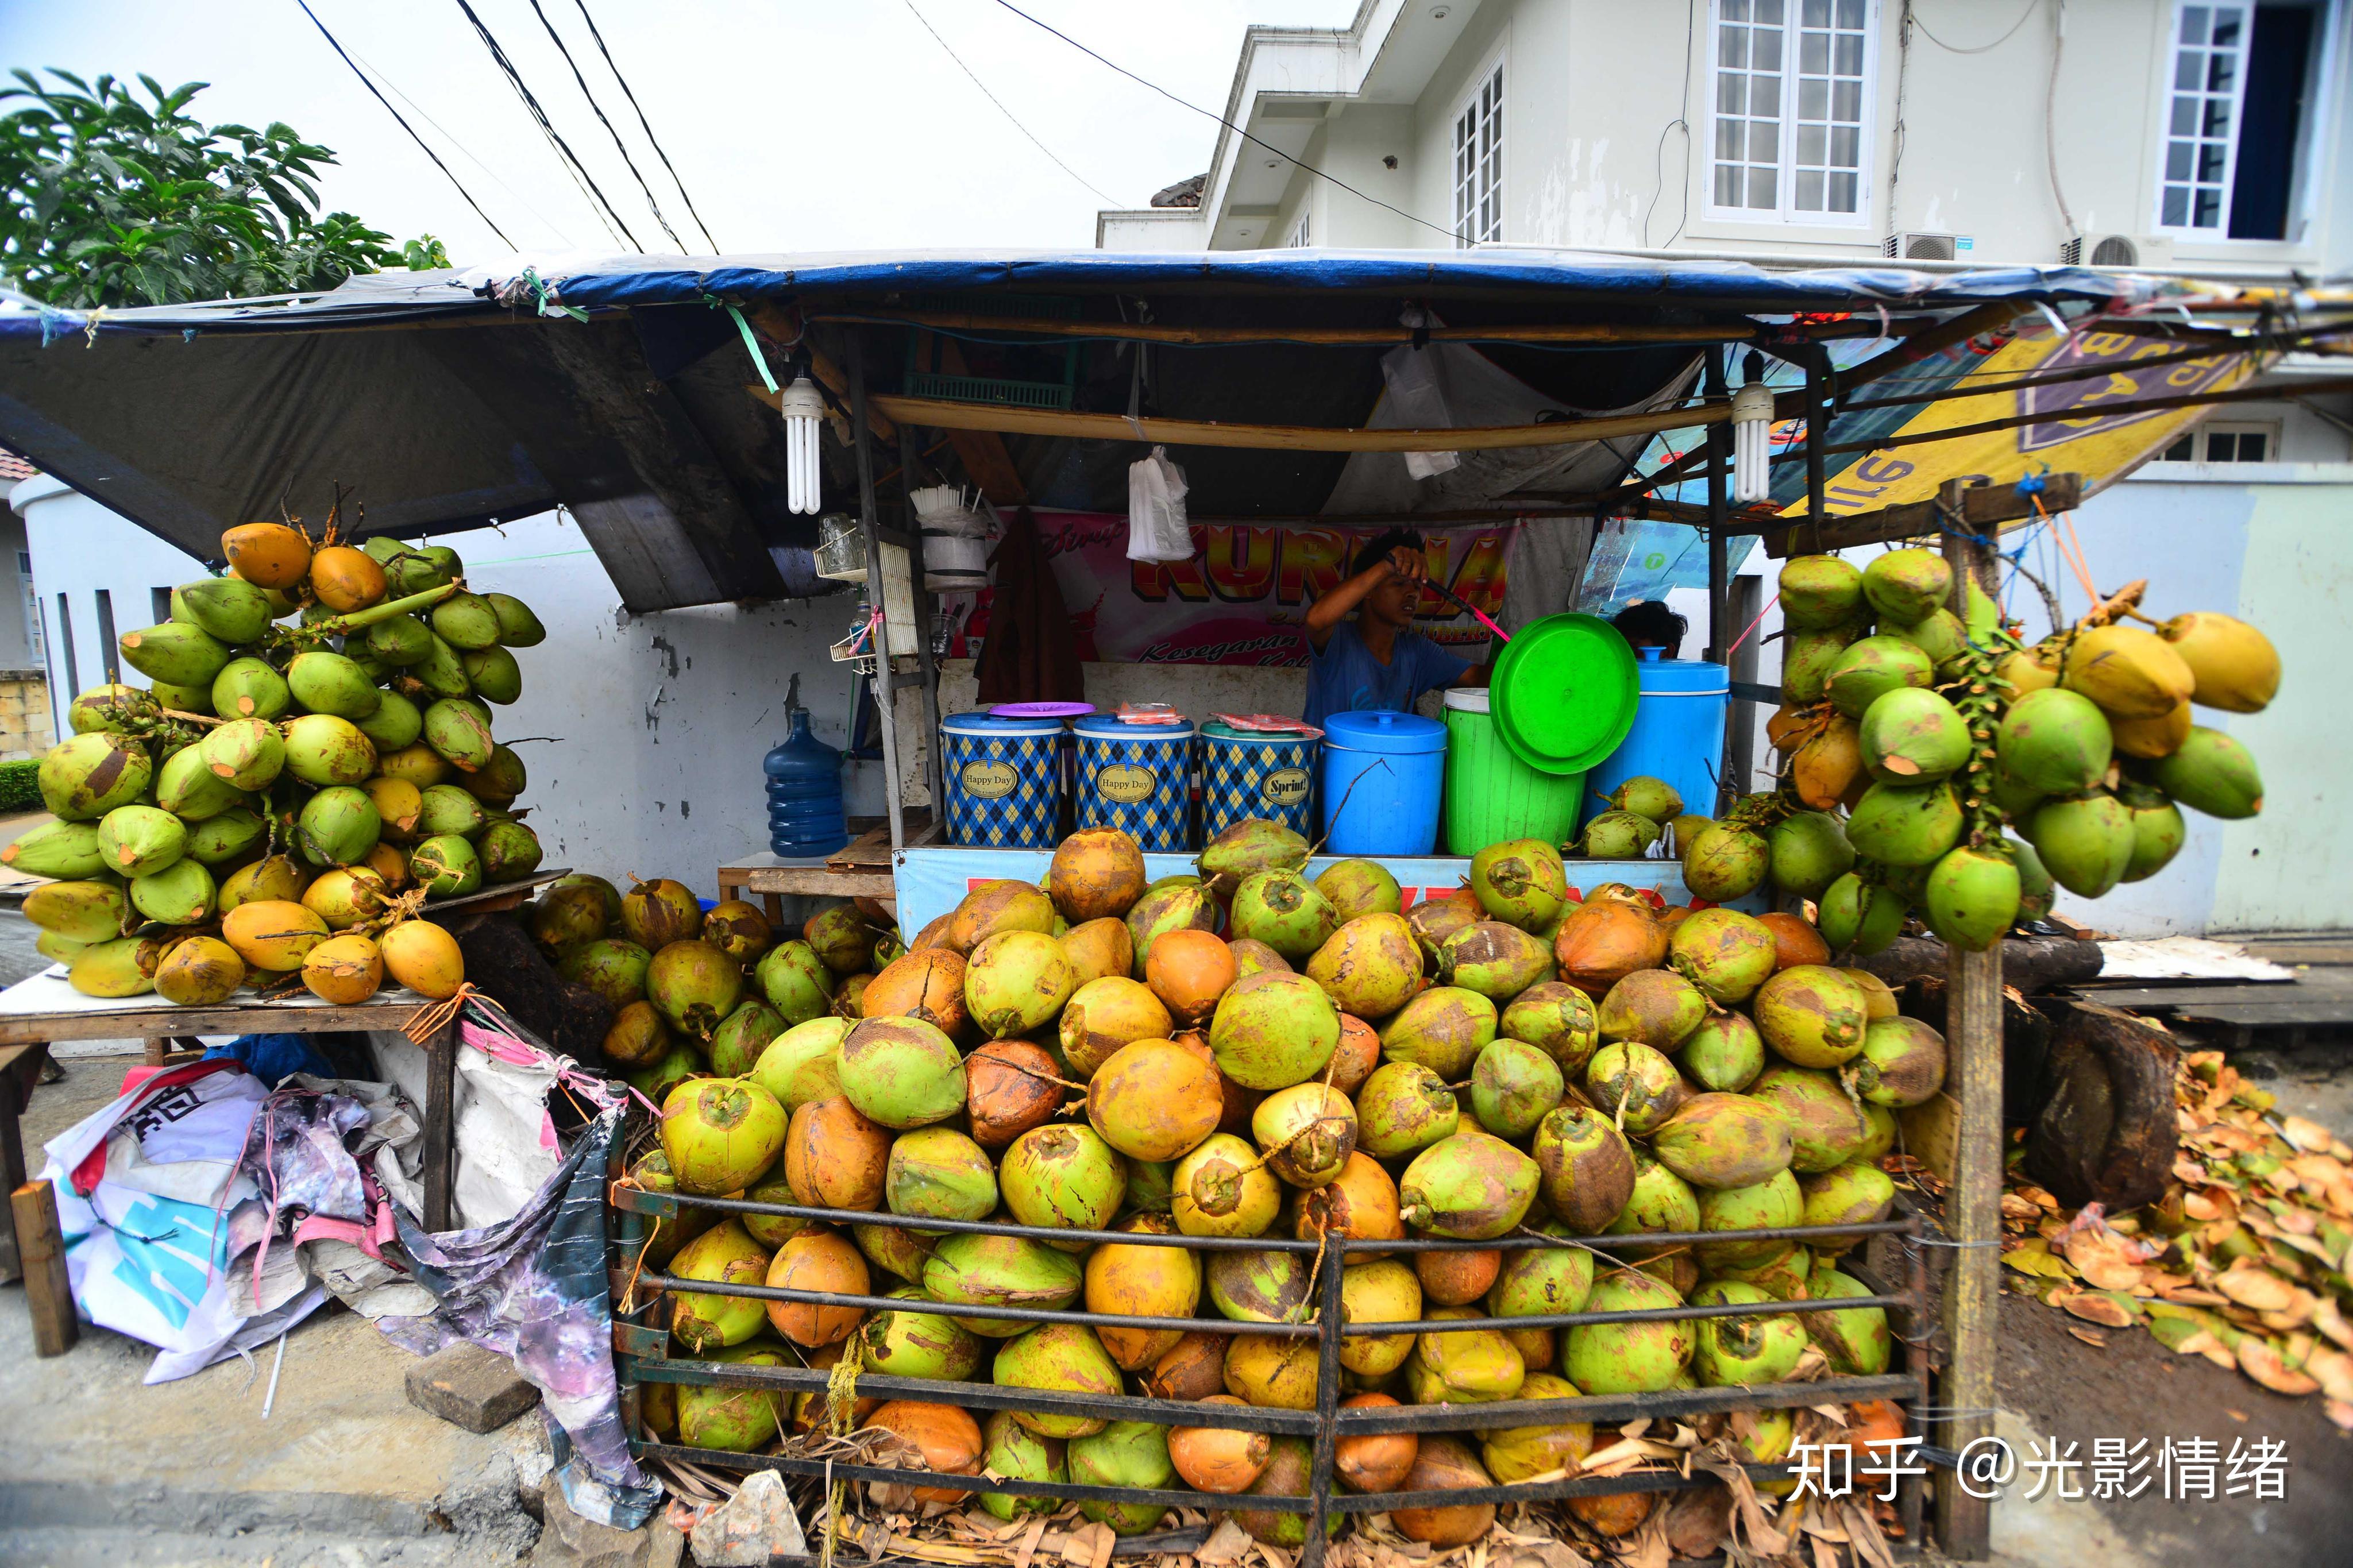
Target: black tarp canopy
619 387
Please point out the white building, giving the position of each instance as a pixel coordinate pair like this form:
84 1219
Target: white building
2212 139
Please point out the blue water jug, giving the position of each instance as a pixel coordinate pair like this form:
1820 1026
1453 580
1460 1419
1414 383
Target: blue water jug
804 814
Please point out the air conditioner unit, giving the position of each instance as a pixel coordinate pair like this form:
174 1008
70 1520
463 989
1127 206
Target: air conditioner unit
1918 247
2118 250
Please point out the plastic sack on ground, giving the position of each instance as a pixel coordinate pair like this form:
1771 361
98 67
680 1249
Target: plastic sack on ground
1157 529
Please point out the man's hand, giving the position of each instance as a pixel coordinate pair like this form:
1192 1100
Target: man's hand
1410 564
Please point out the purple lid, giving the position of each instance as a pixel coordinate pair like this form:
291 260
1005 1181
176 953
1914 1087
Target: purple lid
1042 710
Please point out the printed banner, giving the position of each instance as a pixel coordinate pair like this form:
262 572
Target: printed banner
1242 597
931 882
2072 433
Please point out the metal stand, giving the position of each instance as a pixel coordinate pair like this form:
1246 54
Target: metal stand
1720 617
887 681
643 1356
1973 1289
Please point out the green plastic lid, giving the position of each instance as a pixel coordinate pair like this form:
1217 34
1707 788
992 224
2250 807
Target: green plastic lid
1564 692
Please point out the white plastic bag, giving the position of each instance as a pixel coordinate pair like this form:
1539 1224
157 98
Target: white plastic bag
1416 401
1156 510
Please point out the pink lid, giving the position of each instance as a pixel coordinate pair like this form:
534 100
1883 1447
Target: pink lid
1042 710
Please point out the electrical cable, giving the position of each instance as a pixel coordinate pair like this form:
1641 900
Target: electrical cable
1659 153
2051 118
645 125
419 111
1980 48
405 125
604 210
1209 114
621 146
992 98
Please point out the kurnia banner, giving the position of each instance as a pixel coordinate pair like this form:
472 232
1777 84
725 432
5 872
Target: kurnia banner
1243 596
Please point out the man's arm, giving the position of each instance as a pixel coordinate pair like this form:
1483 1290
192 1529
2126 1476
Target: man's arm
1477 675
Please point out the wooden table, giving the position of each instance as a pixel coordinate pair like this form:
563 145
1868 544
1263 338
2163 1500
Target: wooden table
858 870
37 1012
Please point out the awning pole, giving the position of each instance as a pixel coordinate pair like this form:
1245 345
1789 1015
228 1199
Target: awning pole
1719 555
886 682
1818 429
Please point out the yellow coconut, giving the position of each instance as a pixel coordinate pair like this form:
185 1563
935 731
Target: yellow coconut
346 578
2235 665
2131 673
343 896
273 935
2150 739
390 863
398 801
425 958
347 970
268 554
202 972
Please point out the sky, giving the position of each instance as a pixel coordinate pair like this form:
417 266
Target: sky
795 124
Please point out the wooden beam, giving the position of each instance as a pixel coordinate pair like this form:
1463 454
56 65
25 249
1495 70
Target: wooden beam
2326 386
982 452
783 325
1985 508
48 1290
1973 1040
945 416
1336 337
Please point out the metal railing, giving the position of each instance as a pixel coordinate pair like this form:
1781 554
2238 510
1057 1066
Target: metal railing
642 1356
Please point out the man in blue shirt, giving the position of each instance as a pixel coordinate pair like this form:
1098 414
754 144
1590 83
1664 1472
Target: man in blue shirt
1376 663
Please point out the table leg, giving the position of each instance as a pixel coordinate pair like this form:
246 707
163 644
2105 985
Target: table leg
48 1288
158 1046
16 1093
440 1125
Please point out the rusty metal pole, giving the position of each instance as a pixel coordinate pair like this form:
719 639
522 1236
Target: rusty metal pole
1329 1320
1973 1214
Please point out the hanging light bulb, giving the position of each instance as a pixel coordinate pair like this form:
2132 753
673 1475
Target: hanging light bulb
804 415
1752 423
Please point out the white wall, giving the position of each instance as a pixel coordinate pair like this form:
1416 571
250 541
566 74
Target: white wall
1595 157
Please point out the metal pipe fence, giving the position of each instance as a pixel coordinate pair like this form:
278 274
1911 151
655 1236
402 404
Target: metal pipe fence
642 1355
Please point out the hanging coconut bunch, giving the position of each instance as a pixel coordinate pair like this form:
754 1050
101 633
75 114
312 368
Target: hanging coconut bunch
312 762
1246 1052
1937 768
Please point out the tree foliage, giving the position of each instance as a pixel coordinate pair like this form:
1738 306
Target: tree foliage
107 198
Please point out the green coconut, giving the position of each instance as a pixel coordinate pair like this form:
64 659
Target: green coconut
1558 1020
1444 1028
1913 737
901 1072
1274 1029
1904 825
1722 1140
1512 1085
2211 772
2085 842
1871 668
1973 897
1744 1351
1628 1358
1521 881
1724 1053
2055 742
1724 952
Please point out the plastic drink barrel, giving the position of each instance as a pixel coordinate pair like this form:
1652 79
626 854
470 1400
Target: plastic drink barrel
1004 780
1678 734
1381 778
1491 796
804 814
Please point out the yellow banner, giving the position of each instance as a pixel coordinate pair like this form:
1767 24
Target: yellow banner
2072 436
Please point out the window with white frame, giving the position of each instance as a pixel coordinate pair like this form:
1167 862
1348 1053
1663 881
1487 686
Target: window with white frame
2239 108
1789 112
1479 162
2240 443
1303 233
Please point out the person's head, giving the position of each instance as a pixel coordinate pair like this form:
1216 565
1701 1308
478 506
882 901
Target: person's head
1647 623
1393 602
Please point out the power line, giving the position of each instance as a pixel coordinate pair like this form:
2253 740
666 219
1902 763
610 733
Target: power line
424 114
992 98
571 161
644 124
618 144
405 125
1334 179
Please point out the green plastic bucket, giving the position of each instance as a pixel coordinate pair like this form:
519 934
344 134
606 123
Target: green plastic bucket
1492 797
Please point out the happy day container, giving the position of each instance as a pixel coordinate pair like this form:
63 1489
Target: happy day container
1248 773
1133 777
1677 735
1491 794
1381 775
1003 778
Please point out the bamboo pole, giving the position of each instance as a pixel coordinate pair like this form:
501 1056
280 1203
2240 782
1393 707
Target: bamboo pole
942 414
1973 1017
1599 333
